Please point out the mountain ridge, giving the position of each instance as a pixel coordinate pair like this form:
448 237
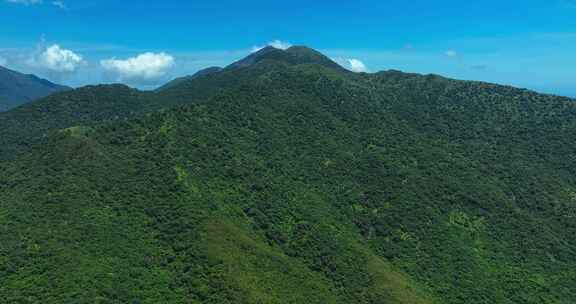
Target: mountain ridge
293 55
200 73
290 182
197 88
17 88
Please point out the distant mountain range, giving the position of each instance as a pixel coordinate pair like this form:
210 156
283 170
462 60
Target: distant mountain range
284 178
17 88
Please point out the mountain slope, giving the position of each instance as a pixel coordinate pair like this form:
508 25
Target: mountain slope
29 124
292 55
177 81
17 88
300 183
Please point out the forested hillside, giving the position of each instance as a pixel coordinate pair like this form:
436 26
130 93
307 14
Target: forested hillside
286 179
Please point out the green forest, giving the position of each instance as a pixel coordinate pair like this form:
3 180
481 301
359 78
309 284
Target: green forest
284 178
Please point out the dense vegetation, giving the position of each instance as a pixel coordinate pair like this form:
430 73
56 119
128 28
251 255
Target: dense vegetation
287 181
29 124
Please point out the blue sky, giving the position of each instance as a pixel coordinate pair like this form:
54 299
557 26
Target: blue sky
145 43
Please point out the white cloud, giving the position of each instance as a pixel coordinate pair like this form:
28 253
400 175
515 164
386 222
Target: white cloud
283 45
451 53
352 64
25 2
279 44
57 59
357 65
144 67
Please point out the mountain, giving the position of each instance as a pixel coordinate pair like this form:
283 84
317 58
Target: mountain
293 55
17 88
203 72
29 124
291 181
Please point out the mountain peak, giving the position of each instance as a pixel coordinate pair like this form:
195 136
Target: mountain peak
294 55
302 49
255 57
266 49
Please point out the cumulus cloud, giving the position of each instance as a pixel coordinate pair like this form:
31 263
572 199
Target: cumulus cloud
57 59
144 67
352 64
279 44
25 2
357 65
